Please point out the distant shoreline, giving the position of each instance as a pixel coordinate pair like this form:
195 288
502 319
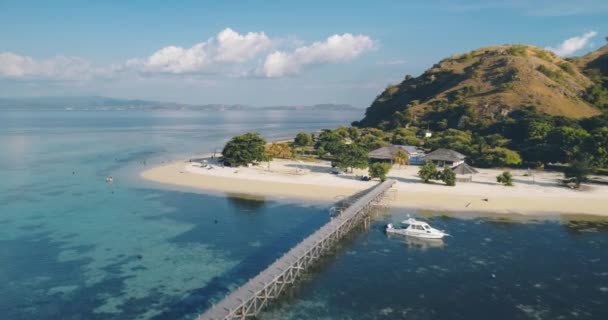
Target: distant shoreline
311 182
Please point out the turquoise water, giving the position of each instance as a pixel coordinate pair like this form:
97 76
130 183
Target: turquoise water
74 247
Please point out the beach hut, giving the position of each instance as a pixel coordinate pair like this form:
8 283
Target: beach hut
464 172
445 158
388 153
385 154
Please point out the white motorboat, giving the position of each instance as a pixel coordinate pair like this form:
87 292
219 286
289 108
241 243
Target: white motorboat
415 228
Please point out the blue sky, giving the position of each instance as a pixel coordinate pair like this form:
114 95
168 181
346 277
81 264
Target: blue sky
265 52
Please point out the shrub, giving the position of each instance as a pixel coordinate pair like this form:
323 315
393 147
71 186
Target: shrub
279 150
428 172
551 74
448 177
379 170
567 67
505 178
544 55
302 139
518 50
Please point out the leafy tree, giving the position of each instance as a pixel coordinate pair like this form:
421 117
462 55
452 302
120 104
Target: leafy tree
302 139
342 131
401 158
428 172
578 171
565 142
597 95
351 156
328 141
505 178
498 157
279 150
244 149
379 170
598 147
458 140
370 142
496 140
354 133
448 177
405 136
374 132
401 119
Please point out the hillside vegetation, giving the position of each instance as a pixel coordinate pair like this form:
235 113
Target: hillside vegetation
595 66
483 85
511 105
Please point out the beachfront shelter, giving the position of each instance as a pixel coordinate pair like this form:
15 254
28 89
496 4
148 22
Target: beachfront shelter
445 158
464 172
385 154
414 154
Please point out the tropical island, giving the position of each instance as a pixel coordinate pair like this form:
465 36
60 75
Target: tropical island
505 129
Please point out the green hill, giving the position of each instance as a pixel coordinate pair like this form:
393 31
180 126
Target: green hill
485 84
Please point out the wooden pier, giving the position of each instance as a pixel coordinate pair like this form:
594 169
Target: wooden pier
248 300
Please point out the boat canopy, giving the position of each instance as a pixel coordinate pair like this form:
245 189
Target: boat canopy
414 222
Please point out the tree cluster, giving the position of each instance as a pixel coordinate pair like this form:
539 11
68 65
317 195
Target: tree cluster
529 138
430 172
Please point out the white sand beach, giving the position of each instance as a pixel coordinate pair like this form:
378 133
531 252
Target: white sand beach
539 194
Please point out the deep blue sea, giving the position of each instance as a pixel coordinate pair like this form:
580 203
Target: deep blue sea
74 247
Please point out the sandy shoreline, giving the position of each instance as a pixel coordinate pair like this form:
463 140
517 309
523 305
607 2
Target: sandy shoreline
312 182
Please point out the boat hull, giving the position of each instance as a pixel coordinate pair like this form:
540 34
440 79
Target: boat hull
421 235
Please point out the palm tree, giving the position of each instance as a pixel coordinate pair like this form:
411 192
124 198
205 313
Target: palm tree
401 158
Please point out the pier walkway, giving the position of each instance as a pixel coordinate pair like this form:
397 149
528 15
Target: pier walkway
249 299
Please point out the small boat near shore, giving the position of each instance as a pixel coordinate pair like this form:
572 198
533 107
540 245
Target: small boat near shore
416 228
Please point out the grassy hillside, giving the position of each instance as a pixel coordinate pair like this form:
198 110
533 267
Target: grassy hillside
594 63
484 85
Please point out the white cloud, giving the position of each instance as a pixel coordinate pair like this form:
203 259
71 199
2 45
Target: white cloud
228 53
174 59
570 46
59 68
228 47
233 47
336 48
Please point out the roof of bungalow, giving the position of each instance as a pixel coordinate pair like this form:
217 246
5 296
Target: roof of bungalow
411 149
445 155
386 153
463 169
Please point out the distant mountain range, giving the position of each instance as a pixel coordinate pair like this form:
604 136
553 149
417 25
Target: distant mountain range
106 103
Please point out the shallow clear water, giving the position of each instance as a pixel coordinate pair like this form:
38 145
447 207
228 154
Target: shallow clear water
74 247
